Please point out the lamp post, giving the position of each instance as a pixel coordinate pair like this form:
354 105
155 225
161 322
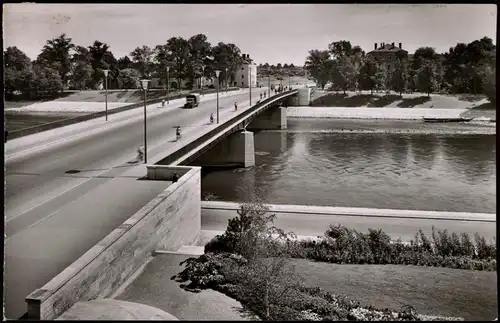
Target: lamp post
217 73
269 85
168 85
106 85
202 76
250 83
226 80
144 85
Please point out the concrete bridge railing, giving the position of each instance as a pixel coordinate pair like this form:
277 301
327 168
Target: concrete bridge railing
200 145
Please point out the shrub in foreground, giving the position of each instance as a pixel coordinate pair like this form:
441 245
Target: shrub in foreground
223 272
347 246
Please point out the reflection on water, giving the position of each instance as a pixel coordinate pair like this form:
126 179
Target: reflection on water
379 170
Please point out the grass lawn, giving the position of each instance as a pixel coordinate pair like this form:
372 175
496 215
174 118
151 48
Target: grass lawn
471 295
17 121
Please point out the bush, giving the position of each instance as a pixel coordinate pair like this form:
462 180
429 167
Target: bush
346 246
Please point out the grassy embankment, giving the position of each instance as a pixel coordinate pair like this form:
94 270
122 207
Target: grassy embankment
16 120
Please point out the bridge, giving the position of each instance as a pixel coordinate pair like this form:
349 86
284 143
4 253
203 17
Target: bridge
56 179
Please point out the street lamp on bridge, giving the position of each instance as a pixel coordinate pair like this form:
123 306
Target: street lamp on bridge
106 85
226 80
168 84
217 73
144 85
202 77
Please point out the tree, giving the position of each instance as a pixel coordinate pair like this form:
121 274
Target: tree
427 78
344 73
176 53
399 77
340 49
129 78
319 65
81 74
16 58
46 80
227 55
285 65
57 51
124 62
367 75
143 57
18 71
489 80
199 50
268 274
101 58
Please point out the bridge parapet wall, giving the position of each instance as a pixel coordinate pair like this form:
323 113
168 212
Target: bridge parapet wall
236 150
271 119
170 220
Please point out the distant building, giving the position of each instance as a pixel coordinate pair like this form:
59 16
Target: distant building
247 74
388 54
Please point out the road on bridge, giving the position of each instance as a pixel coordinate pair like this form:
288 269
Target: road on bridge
38 185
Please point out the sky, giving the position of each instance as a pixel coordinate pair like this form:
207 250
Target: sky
270 33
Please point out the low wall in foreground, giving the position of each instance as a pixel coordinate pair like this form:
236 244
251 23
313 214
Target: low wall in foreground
170 220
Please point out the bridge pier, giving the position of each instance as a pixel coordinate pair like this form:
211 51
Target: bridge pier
236 150
273 118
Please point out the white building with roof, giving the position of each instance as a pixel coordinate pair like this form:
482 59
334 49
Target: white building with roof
247 73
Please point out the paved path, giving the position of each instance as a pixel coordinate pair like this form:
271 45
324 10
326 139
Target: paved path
313 221
53 217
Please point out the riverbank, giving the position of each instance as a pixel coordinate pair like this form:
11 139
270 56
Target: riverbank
375 113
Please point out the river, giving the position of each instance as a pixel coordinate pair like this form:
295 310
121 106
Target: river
313 163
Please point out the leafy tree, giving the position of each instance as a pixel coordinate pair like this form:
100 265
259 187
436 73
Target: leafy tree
45 80
291 65
227 55
199 50
129 78
175 52
319 65
18 71
367 75
101 58
399 77
56 53
143 57
489 80
340 49
81 74
344 73
16 58
124 62
285 65
427 77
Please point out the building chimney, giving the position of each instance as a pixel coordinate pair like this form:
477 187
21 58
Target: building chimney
400 46
375 45
393 45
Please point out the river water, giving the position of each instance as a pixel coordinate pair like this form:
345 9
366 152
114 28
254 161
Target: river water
313 163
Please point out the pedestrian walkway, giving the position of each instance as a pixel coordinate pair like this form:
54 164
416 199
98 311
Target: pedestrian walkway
112 309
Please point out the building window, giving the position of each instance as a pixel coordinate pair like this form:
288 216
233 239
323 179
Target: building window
243 76
389 66
242 68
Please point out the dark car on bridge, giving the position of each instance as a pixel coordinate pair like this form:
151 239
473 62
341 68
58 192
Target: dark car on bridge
192 100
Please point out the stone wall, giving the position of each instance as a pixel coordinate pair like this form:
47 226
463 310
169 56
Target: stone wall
271 119
170 220
235 150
